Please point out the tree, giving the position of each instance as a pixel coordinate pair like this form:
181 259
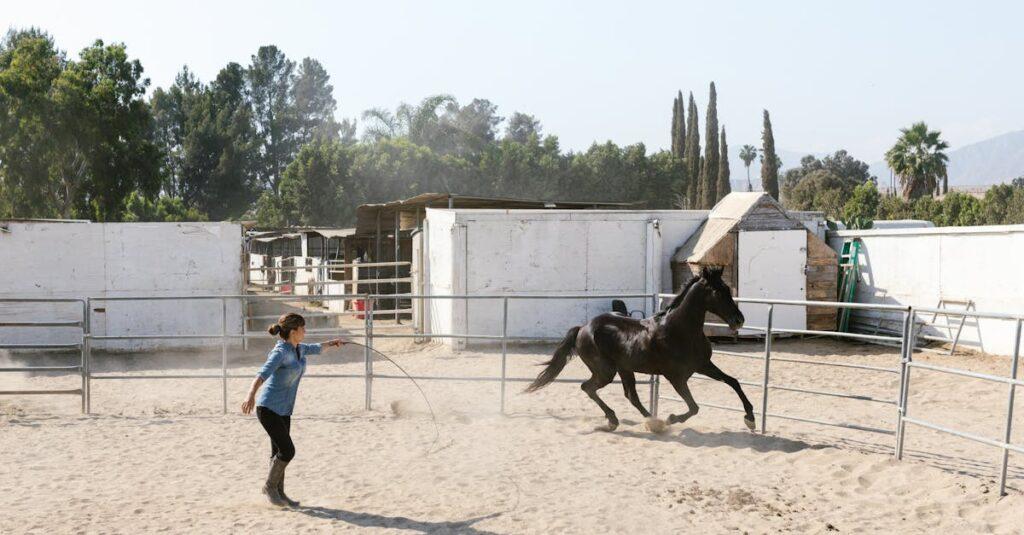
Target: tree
678 147
467 130
999 203
422 123
709 171
918 160
846 173
171 110
523 128
313 103
862 207
820 190
209 141
76 138
748 153
315 186
723 188
164 209
30 65
769 160
221 158
692 156
894 208
381 124
269 79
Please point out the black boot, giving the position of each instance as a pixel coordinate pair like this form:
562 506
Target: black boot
274 479
280 491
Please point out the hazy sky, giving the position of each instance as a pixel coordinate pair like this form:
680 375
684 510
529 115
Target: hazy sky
833 75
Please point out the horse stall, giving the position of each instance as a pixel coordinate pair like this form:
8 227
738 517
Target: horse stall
765 253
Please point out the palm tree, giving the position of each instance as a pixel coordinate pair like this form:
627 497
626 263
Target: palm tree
918 161
381 124
747 154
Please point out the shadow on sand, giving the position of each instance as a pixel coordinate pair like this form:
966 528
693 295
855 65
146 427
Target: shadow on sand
733 439
369 520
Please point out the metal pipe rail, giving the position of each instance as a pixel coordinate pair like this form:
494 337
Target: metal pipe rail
41 346
82 367
857 427
42 369
1011 381
368 264
504 337
40 324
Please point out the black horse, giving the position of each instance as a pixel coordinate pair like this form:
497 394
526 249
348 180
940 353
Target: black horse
670 343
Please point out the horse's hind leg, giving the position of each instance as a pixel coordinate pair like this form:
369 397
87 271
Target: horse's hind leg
629 387
596 382
715 373
679 383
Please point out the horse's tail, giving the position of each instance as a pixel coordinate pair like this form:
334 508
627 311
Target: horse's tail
565 350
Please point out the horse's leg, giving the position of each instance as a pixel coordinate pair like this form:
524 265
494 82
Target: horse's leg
679 383
596 382
713 372
629 387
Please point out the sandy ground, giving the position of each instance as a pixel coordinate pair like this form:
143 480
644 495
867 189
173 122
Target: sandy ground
158 455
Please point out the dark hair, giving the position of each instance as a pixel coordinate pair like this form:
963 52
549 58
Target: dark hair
285 324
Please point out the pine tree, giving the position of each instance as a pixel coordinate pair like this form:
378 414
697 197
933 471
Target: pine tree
709 174
724 188
769 160
692 156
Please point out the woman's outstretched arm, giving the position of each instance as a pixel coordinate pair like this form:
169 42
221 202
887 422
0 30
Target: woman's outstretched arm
250 400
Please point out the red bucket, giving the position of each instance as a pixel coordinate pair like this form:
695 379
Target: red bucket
360 305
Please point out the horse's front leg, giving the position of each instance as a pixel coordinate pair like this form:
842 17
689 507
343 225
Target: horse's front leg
678 381
713 372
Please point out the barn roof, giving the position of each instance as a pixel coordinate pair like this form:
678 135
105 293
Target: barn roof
409 209
737 211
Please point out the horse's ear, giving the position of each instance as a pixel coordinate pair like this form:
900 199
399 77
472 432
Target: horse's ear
705 273
716 272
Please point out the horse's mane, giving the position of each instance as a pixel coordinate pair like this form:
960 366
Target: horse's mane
678 300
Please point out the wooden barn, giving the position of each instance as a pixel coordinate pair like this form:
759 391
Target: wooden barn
764 253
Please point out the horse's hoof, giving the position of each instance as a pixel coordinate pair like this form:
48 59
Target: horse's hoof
656 425
749 420
611 426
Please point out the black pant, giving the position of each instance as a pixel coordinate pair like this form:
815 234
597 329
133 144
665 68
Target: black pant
279 428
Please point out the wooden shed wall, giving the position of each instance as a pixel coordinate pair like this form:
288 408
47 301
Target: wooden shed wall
822 273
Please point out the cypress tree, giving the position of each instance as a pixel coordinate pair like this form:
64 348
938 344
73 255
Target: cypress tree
724 188
679 127
692 156
769 160
675 125
709 173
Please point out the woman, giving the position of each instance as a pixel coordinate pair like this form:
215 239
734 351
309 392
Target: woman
280 377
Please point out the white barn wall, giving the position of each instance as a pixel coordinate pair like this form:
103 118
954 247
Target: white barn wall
438 271
920 266
43 259
547 252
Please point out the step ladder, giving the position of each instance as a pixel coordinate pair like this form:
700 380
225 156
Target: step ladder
849 273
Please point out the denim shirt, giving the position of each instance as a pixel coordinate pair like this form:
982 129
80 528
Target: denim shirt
281 374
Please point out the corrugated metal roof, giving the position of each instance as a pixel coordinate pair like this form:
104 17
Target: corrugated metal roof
331 232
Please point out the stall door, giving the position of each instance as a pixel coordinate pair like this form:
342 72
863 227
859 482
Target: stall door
771 266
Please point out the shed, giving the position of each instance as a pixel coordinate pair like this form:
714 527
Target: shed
764 253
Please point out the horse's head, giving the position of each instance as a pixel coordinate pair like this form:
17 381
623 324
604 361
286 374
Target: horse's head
718 298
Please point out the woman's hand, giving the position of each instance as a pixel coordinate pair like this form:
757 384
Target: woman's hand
248 405
337 342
